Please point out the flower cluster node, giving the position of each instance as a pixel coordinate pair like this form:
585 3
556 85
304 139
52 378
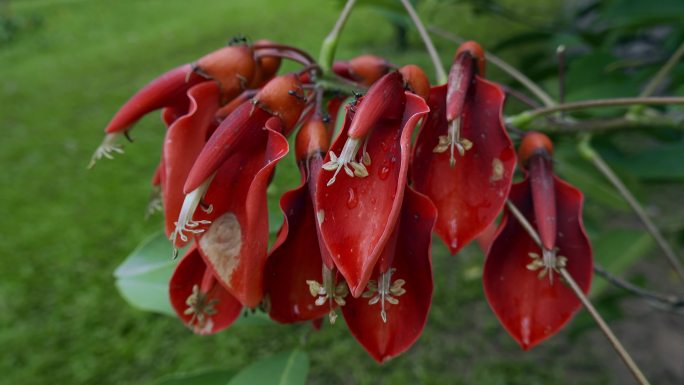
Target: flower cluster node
547 263
200 308
346 159
384 291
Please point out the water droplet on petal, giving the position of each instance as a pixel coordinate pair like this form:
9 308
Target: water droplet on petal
352 198
384 172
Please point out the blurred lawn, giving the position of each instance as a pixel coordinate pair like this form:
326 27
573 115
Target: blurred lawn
65 229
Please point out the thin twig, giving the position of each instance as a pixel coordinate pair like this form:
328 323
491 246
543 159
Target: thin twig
504 66
327 54
609 124
528 101
622 352
592 155
613 102
659 77
560 54
668 301
440 73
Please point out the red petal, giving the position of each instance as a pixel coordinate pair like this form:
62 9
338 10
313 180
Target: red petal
412 261
192 271
161 92
243 123
533 309
540 168
236 243
184 141
295 258
470 195
360 213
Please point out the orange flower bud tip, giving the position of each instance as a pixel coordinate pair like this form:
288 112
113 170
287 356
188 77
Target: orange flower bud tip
534 143
475 51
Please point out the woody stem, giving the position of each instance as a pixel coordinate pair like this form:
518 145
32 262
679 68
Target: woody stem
440 72
621 351
594 157
329 46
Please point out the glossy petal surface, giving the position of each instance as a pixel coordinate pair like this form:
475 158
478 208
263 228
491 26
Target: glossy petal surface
166 90
533 309
412 261
235 244
361 212
184 141
190 275
470 195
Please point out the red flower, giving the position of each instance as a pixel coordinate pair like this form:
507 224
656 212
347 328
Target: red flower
520 277
358 208
464 159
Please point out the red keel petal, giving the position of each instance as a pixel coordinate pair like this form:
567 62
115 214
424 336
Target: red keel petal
412 261
360 212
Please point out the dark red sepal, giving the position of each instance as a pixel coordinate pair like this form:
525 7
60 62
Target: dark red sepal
469 195
212 308
411 259
533 309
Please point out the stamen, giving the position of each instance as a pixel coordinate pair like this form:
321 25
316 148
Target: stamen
453 141
328 292
107 148
547 263
346 159
385 291
154 204
185 223
200 308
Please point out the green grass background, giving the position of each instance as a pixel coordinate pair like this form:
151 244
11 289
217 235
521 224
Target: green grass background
64 229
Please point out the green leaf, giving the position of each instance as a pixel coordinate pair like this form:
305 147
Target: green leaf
617 250
632 13
582 174
288 368
662 163
143 278
203 377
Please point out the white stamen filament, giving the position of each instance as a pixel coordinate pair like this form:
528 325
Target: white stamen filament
384 291
185 222
328 292
107 147
453 140
346 159
547 263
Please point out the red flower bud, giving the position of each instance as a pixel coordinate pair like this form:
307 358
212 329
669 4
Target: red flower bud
364 69
415 80
232 67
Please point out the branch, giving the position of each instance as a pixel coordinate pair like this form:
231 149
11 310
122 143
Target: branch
440 73
622 352
327 54
663 72
668 301
630 122
503 66
594 157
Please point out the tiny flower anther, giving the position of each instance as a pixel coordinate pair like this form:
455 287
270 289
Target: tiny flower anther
347 158
107 148
328 292
185 223
453 140
200 308
548 263
386 290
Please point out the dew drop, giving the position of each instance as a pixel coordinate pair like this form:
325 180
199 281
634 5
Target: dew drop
352 198
384 172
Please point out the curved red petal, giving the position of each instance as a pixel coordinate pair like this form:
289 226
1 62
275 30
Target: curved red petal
470 195
540 168
235 245
359 213
237 128
412 261
217 307
295 259
184 141
533 309
160 92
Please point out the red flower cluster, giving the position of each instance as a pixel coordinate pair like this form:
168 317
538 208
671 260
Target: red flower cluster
357 230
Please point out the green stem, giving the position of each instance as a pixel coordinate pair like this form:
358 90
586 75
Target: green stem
594 157
503 66
329 46
663 72
440 73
